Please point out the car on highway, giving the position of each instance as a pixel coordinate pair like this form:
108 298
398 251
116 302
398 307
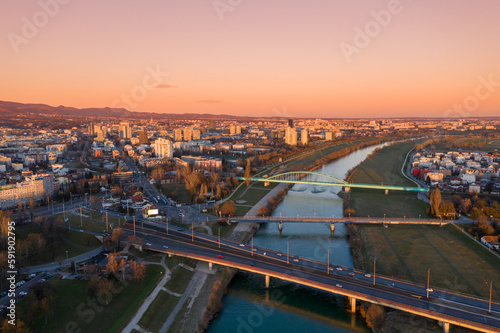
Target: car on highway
148 244
351 274
338 285
339 268
23 293
279 254
4 293
296 260
165 247
220 256
242 245
368 275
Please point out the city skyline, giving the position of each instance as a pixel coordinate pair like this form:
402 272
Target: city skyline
288 59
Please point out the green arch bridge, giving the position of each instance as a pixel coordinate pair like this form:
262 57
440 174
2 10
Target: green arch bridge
315 178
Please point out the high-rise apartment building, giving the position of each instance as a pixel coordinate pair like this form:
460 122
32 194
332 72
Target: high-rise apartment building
125 131
164 148
188 134
178 134
304 137
196 134
291 136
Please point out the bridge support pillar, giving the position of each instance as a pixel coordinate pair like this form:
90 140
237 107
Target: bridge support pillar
352 302
280 227
210 266
386 191
446 327
332 228
268 279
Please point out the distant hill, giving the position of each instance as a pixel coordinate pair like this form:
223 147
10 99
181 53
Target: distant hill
13 108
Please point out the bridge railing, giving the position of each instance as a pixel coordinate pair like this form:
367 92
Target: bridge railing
339 219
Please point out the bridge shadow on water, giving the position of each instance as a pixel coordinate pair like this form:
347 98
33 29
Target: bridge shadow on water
285 307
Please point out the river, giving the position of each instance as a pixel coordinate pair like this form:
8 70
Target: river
287 307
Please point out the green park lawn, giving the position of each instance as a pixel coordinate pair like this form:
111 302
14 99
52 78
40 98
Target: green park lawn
385 168
71 294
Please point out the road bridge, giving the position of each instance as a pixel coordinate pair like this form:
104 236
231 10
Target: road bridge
448 307
315 178
332 220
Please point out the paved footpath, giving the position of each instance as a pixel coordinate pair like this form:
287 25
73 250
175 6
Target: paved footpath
147 302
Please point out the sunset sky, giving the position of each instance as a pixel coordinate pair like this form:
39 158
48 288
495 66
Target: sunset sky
255 57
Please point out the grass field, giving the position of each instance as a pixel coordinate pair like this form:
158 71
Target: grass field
74 242
456 262
156 315
71 294
385 168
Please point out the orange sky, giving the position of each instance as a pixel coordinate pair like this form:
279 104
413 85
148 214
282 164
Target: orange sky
255 58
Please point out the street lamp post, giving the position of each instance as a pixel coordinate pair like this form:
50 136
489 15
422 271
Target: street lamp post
328 263
219 238
134 225
491 290
81 217
428 280
374 269
287 254
64 213
167 225
192 231
252 245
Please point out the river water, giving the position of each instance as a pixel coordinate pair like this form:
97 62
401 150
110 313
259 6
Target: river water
287 307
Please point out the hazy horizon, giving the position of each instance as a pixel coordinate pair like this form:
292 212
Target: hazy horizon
327 59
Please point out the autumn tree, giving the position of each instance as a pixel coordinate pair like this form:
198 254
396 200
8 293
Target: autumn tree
158 172
116 236
375 316
228 208
446 208
138 269
19 327
263 211
20 210
435 201
113 264
247 172
465 205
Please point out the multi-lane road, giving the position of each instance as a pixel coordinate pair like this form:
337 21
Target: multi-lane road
448 306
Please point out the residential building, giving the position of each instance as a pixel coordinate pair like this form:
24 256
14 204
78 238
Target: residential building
164 148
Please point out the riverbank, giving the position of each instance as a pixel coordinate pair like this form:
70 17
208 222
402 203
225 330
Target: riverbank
407 252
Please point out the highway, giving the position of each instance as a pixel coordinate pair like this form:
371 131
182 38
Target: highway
458 309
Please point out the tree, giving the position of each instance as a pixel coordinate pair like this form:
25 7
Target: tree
116 236
435 201
20 210
20 327
138 269
247 172
158 172
263 211
228 208
465 205
72 266
446 208
113 264
31 205
375 316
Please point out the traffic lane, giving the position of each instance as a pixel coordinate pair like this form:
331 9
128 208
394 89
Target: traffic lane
380 280
446 309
